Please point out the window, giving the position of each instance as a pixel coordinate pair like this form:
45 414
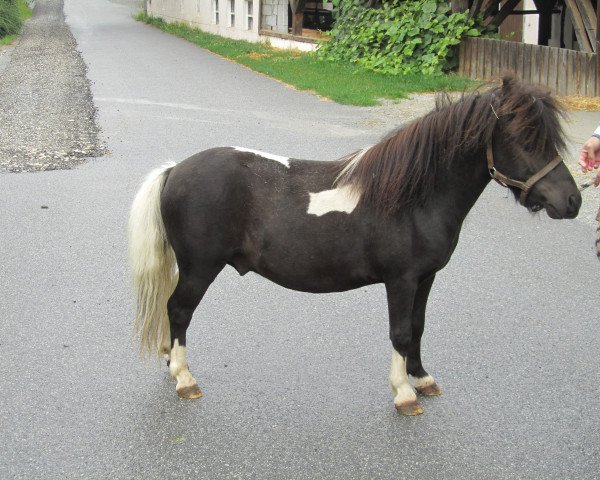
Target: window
232 13
215 11
249 14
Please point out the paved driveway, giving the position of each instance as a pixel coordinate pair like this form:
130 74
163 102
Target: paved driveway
295 385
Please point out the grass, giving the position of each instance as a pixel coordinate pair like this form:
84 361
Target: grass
24 13
340 82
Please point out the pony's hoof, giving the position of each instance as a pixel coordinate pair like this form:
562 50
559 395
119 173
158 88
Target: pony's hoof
410 409
432 390
191 391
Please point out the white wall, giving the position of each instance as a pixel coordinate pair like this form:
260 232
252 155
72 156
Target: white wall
199 13
530 24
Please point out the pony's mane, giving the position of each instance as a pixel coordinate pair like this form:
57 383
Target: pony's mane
400 170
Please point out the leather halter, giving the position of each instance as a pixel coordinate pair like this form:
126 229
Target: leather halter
524 186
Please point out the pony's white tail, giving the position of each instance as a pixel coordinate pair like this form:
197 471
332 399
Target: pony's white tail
153 265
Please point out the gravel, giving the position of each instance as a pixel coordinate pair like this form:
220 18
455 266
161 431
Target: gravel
46 110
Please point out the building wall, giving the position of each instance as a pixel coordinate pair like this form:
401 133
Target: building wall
274 15
201 14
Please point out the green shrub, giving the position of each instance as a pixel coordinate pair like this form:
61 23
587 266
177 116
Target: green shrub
10 19
399 37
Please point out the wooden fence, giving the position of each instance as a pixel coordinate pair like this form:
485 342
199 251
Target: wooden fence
565 72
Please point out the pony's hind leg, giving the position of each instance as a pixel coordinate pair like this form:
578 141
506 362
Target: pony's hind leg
191 287
425 384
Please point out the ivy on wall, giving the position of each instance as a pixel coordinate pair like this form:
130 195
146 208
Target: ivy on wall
398 37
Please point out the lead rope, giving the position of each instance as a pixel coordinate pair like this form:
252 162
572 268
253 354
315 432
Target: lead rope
582 187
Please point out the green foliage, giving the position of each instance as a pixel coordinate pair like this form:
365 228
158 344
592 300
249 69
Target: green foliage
399 37
10 18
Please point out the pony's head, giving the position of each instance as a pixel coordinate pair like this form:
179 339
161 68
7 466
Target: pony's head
525 145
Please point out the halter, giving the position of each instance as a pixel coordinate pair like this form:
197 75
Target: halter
525 187
505 181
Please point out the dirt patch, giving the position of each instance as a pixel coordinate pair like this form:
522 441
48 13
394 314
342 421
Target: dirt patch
256 55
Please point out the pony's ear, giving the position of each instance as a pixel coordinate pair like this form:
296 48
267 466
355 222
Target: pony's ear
508 81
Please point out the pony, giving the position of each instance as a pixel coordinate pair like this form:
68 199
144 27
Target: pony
390 214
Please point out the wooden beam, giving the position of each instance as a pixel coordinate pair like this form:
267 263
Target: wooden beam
580 32
504 12
475 9
491 9
297 7
589 19
545 21
459 6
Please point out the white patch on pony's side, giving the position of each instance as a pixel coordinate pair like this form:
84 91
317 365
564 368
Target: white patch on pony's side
341 199
278 158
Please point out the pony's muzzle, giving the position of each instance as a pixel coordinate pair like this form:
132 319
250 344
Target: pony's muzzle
570 209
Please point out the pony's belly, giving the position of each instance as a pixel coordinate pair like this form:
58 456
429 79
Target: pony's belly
317 284
307 276
314 276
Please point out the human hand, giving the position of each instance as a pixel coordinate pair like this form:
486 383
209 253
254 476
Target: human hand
589 157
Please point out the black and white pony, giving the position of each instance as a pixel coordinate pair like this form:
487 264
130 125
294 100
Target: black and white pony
388 214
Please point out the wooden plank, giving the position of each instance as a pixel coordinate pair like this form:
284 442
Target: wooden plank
469 58
589 75
506 58
465 58
552 81
562 71
512 57
592 78
520 47
544 66
580 32
487 59
588 16
481 61
495 71
527 53
579 65
572 73
473 61
536 60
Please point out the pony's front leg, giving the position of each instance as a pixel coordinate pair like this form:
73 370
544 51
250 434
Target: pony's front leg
401 295
424 383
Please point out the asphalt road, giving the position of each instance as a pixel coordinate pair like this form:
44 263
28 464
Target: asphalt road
295 384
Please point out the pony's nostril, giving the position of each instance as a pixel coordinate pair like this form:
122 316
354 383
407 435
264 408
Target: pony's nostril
574 202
